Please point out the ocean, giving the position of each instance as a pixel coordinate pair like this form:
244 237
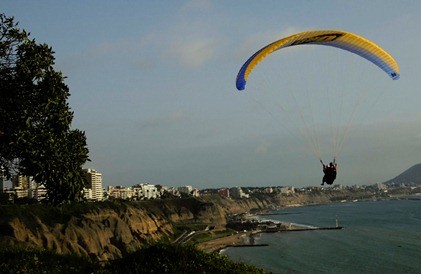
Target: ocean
378 237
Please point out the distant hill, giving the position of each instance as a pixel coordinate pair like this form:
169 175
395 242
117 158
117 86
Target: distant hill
411 175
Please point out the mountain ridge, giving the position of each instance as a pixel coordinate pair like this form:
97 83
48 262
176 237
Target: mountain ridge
410 176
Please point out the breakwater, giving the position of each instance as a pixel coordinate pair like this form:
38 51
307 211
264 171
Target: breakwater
247 245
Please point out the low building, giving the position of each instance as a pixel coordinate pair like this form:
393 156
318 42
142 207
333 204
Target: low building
224 192
146 191
195 192
37 191
337 187
287 190
268 190
20 192
185 189
21 182
174 191
120 192
26 187
188 190
237 192
381 186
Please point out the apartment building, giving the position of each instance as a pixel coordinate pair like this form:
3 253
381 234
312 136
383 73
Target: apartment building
94 179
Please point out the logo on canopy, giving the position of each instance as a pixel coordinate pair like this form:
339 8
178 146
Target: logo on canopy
329 37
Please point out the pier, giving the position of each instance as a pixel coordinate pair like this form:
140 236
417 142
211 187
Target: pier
272 230
312 228
248 245
287 227
278 213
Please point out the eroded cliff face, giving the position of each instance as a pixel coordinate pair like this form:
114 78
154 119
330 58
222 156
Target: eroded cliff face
103 233
247 205
108 230
102 230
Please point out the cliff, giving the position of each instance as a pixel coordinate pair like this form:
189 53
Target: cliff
109 230
103 231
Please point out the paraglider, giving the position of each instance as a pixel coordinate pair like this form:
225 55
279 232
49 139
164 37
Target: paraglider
334 38
330 172
343 40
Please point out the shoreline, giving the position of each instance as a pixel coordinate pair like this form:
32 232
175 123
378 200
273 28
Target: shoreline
246 238
239 239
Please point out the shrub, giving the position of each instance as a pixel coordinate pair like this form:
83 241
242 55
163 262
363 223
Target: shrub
28 260
170 258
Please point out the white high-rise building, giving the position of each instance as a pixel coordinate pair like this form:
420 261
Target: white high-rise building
94 179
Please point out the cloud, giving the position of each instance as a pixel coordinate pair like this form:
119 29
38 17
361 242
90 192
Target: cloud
191 39
193 53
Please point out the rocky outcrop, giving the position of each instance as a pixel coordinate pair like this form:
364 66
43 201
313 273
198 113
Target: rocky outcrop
102 230
104 233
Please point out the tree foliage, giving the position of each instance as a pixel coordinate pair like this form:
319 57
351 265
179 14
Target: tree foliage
172 258
31 260
35 134
155 258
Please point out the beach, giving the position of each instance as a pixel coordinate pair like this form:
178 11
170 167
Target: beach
246 238
238 239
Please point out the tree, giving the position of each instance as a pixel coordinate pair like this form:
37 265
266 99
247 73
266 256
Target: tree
35 134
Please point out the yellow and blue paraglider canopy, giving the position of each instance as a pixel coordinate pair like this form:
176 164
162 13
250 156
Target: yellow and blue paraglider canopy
334 38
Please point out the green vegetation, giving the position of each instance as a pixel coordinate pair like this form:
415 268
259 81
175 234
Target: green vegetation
157 258
212 198
36 138
57 214
19 260
210 235
167 258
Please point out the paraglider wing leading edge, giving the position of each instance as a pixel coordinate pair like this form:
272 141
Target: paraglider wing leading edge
334 38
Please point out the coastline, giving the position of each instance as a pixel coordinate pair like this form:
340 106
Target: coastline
246 238
387 223
243 238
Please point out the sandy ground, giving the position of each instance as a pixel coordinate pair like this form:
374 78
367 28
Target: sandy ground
220 243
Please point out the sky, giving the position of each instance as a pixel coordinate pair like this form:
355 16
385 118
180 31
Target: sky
152 84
